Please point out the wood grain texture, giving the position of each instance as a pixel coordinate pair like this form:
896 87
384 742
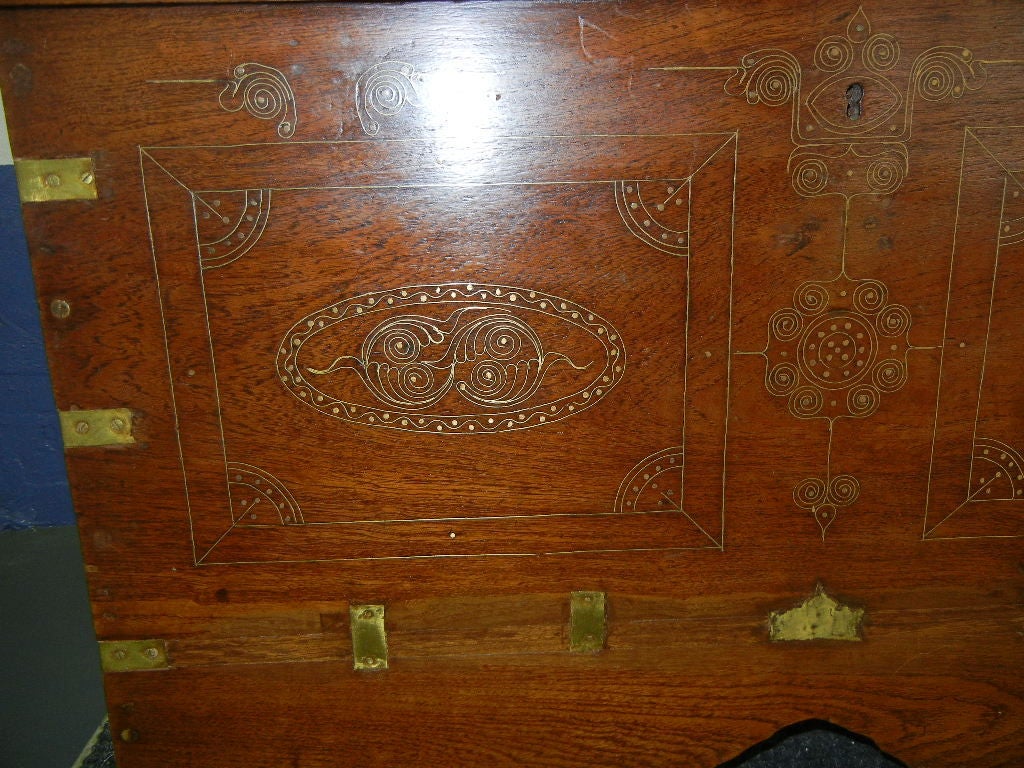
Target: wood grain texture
453 151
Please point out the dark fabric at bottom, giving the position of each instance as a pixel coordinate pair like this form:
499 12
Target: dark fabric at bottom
800 746
814 744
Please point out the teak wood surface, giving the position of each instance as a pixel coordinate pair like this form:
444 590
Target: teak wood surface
460 308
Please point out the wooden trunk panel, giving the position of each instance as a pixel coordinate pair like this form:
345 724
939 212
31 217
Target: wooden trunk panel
460 308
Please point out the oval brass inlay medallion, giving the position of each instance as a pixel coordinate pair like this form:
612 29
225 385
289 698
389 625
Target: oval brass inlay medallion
455 358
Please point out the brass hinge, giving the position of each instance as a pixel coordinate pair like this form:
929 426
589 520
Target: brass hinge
112 426
133 655
369 638
68 178
588 628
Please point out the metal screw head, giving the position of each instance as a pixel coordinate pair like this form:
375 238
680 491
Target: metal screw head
60 308
87 177
51 180
151 653
367 614
82 427
120 654
371 661
117 426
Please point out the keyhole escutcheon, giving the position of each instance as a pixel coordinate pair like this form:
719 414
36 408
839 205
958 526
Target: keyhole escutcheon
854 101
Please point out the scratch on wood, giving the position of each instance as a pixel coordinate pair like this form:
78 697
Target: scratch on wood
584 24
917 656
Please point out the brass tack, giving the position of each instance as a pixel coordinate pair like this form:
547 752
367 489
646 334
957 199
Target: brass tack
60 308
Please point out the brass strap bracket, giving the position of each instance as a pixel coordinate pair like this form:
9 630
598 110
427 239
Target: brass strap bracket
69 178
369 638
588 627
133 655
112 426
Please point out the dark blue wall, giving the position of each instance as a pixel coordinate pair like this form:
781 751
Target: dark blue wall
33 482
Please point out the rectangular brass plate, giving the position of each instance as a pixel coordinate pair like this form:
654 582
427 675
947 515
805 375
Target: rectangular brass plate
133 655
69 178
369 640
587 625
111 426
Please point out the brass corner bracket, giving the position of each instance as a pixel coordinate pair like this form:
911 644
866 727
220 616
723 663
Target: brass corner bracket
42 181
112 426
133 655
819 617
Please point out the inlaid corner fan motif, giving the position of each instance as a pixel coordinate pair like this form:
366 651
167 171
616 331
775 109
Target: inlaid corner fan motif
463 416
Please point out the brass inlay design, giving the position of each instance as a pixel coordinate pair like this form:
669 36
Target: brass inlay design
588 627
839 153
71 178
654 484
840 346
824 497
112 426
848 171
384 90
264 93
976 476
369 637
837 349
478 346
565 328
505 356
259 498
997 472
261 90
819 617
658 213
832 355
229 224
133 655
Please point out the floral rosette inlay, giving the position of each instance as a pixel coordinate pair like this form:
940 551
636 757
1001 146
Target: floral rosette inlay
837 349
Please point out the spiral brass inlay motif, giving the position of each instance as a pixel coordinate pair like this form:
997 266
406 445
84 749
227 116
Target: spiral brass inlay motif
383 91
770 76
881 52
810 176
833 54
885 175
264 93
946 72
